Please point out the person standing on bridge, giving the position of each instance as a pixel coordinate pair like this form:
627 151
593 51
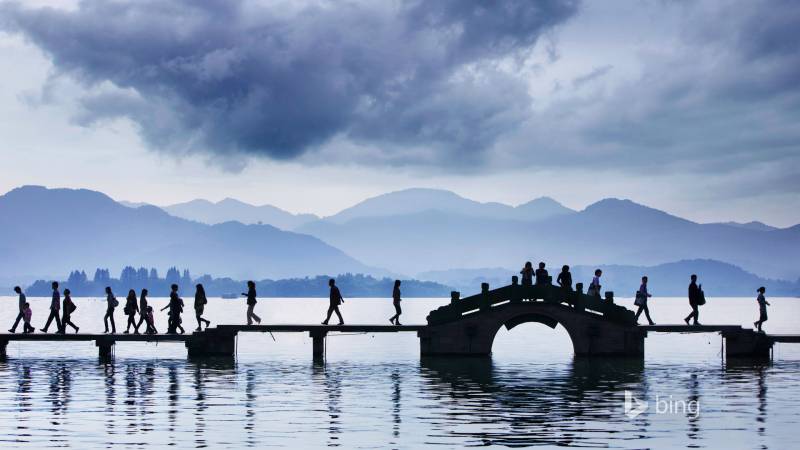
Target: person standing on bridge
111 303
762 308
594 286
565 279
69 307
21 306
542 277
200 301
641 301
527 274
395 319
55 306
695 295
335 300
130 310
251 303
142 312
175 306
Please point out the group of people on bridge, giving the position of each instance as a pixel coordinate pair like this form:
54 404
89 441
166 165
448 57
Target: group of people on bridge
695 292
61 310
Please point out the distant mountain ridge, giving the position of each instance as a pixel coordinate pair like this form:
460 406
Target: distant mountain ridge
51 231
229 209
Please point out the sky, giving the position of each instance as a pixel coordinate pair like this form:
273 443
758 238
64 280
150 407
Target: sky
314 105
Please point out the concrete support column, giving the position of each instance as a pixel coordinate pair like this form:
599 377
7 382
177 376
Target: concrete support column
747 344
318 343
104 348
3 354
211 343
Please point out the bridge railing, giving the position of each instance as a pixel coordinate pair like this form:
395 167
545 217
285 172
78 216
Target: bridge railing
517 293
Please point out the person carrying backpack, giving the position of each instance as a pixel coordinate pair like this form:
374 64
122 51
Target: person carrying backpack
68 308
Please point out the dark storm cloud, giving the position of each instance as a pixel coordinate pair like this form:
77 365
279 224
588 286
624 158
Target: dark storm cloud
232 77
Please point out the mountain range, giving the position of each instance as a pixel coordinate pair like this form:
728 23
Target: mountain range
49 232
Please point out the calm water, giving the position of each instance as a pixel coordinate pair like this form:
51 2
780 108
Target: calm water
373 391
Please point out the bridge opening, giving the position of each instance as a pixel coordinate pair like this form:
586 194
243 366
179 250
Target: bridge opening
532 338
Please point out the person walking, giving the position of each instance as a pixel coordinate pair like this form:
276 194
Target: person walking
251 303
542 277
142 311
594 286
175 306
695 299
150 321
335 300
55 306
395 319
762 308
27 328
641 301
130 310
69 307
565 278
111 304
527 274
22 301
200 301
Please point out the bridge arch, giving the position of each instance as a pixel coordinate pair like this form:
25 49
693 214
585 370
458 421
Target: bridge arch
542 317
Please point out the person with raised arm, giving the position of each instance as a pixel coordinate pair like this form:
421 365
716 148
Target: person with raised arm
527 274
55 306
175 306
335 300
251 302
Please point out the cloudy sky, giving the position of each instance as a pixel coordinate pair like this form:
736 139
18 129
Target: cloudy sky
313 105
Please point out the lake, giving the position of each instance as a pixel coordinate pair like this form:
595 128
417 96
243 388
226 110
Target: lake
374 391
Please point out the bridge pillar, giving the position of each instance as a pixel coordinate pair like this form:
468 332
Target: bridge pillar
105 348
747 344
318 343
210 343
3 346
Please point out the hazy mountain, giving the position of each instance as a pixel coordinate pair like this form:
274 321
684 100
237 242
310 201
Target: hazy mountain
670 279
754 225
417 200
53 231
230 209
609 231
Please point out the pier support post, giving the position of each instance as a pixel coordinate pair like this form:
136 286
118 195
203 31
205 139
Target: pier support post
3 345
747 344
318 343
104 348
210 343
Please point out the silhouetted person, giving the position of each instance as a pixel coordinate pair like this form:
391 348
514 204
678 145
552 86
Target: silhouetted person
130 310
111 303
251 303
55 306
142 310
594 286
542 276
175 306
21 306
762 308
694 301
200 301
68 308
26 317
527 274
395 319
641 301
335 300
150 321
565 278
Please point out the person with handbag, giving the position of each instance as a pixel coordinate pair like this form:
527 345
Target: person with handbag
641 301
112 303
594 286
696 298
200 301
68 308
130 310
